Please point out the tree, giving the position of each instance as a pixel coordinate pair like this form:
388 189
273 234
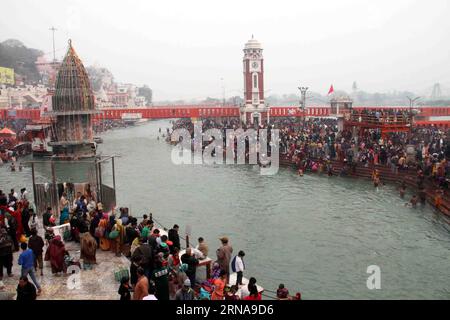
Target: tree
236 100
212 101
146 92
14 54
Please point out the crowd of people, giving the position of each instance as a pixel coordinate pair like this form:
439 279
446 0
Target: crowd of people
313 144
381 115
159 268
310 142
421 153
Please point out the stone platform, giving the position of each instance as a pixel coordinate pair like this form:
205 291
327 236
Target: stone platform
95 284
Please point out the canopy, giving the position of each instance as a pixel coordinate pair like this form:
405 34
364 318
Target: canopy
5 132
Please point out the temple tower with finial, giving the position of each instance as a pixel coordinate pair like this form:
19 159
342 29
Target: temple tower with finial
72 110
253 110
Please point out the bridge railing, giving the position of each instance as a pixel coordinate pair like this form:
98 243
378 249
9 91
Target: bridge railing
382 119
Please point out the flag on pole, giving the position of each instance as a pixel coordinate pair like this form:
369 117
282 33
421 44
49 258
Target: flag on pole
331 90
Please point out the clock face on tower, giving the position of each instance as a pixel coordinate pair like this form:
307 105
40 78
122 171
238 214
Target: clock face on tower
254 66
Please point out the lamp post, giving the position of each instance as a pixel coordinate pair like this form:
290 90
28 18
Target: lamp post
223 91
53 29
411 104
303 102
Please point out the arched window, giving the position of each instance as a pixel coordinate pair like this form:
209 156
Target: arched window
255 80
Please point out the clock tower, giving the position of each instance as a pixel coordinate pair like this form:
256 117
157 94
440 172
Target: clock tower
253 110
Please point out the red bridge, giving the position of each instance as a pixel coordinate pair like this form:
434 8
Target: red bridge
206 112
427 114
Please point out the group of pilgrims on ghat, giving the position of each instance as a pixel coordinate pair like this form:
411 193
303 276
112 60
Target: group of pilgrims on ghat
159 268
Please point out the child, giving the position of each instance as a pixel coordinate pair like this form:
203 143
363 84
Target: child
124 289
282 292
230 294
205 291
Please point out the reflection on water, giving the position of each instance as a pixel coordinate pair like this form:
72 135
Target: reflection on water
313 233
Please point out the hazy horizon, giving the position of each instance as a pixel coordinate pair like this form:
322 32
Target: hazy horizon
182 50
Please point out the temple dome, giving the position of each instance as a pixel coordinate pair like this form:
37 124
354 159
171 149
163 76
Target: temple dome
73 90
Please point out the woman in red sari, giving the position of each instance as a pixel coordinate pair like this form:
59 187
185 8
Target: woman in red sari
254 294
55 254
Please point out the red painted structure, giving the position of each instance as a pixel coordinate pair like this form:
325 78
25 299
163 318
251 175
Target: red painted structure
203 111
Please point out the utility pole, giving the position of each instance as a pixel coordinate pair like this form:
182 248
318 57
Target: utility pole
411 105
223 91
53 29
303 102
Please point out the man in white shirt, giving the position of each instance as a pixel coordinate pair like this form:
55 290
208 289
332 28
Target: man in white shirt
23 194
198 254
151 293
239 267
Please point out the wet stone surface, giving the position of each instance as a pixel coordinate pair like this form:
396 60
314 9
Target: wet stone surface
95 284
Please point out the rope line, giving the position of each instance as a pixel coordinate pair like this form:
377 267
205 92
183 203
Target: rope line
263 293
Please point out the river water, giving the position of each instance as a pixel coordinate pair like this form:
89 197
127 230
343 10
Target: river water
315 234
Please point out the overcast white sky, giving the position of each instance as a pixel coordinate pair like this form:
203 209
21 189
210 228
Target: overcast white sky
182 48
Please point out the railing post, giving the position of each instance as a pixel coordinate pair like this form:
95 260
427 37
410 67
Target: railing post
34 186
55 189
100 182
114 180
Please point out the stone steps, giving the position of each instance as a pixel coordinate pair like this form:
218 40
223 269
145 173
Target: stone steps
387 175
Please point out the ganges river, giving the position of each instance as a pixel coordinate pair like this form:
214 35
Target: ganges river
315 234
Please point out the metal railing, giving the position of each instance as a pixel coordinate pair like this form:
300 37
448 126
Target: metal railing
393 119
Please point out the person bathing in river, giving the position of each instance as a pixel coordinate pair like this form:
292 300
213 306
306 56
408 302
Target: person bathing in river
438 198
422 196
413 201
376 178
402 189
376 182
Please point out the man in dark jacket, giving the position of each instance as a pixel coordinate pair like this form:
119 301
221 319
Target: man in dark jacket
145 254
192 263
94 224
36 243
12 200
12 230
46 218
3 199
26 291
26 214
83 224
6 252
131 233
174 237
